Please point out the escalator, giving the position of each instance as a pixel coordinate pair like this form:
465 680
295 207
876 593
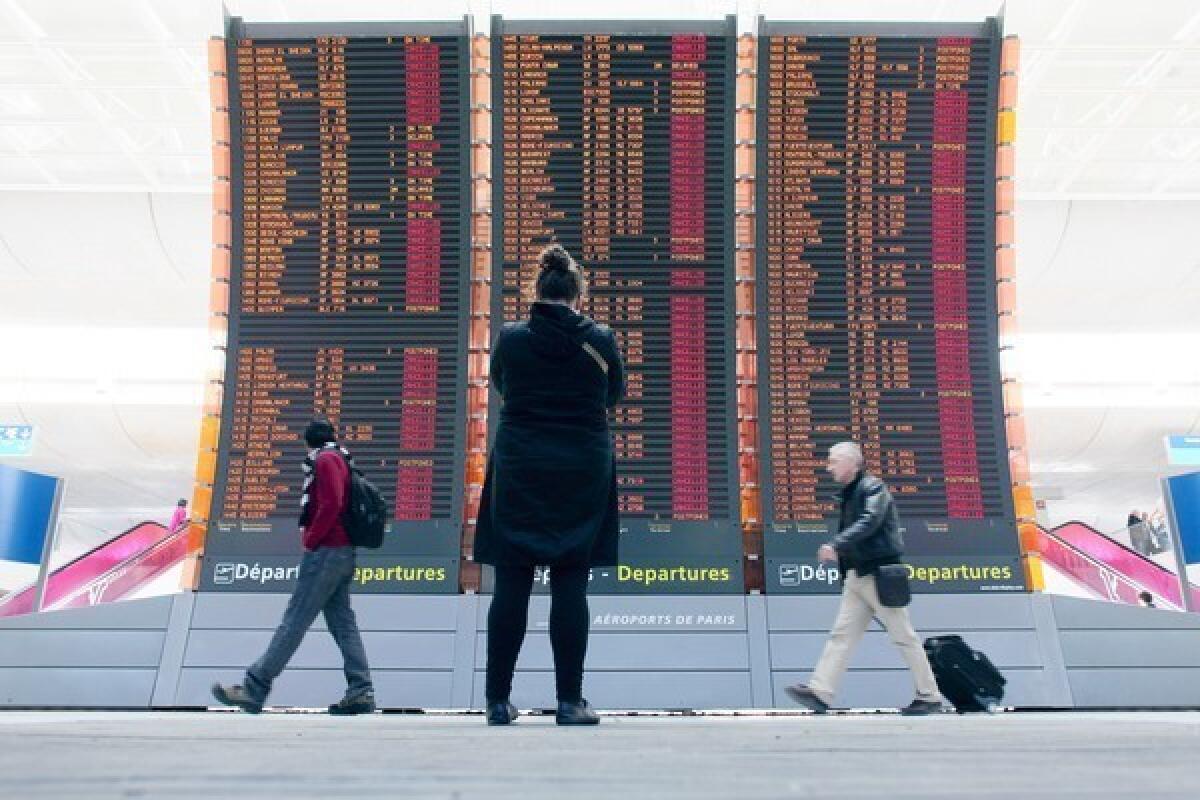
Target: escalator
1109 569
112 571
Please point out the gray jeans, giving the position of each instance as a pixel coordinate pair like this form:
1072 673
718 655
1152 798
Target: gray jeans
322 585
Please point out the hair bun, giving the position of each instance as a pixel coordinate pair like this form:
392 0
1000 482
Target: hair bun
555 258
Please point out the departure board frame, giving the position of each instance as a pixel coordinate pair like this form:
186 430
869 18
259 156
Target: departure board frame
657 555
417 556
980 554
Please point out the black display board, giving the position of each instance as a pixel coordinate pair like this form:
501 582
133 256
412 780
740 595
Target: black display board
615 140
349 291
876 293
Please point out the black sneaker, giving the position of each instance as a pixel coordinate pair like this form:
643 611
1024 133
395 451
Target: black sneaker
576 714
919 708
807 698
501 713
349 706
236 696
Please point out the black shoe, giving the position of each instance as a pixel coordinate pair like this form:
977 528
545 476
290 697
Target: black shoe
236 696
807 698
501 713
349 706
919 708
576 714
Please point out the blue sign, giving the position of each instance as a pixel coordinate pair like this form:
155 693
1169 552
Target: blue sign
26 502
16 440
1183 451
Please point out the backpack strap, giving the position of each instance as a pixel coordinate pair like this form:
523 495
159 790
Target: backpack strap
595 354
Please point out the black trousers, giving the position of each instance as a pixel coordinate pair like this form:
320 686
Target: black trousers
569 621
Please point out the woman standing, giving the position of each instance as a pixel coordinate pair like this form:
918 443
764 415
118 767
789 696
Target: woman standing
550 495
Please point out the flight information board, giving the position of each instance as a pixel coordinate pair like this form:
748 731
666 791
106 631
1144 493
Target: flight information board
876 289
615 140
348 296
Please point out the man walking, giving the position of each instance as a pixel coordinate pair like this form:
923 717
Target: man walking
323 585
868 538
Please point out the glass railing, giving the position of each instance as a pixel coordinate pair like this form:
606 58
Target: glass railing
106 572
1110 568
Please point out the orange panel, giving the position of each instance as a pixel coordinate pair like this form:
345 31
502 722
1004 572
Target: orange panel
1008 92
221 258
1006 297
218 91
212 398
745 48
745 88
483 197
745 264
481 88
481 47
1027 532
747 397
1013 402
220 161
222 196
1006 263
745 194
1008 327
1005 161
220 126
481 264
1005 195
745 229
1006 127
481 298
218 298
482 235
1023 502
745 125
206 467
210 429
481 126
1035 579
1018 465
745 329
480 333
189 577
217 61
201 503
747 366
481 159
1010 54
222 229
745 161
1006 229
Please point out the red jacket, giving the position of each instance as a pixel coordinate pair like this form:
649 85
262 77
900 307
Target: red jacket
327 495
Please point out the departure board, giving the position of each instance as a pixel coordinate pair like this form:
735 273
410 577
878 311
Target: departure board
615 140
876 287
348 296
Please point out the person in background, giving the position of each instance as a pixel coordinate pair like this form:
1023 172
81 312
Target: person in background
1139 532
550 494
1146 599
868 538
322 585
179 517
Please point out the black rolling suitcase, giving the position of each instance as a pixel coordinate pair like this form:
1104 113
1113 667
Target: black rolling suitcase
965 677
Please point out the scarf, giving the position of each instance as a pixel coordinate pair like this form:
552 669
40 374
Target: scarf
309 467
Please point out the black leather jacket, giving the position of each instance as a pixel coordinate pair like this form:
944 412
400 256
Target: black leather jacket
869 526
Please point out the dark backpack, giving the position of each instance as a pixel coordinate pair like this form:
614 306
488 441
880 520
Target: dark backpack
366 515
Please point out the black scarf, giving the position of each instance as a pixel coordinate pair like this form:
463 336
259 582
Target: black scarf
309 467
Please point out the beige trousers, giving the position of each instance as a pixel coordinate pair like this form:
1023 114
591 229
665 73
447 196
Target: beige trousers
860 601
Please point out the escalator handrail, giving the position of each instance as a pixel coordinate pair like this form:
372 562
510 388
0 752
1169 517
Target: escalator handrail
1171 589
161 544
1117 542
1107 568
12 596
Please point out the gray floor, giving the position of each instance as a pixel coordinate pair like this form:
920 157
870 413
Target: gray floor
293 755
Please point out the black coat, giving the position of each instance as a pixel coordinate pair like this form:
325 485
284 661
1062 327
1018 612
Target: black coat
550 493
868 526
